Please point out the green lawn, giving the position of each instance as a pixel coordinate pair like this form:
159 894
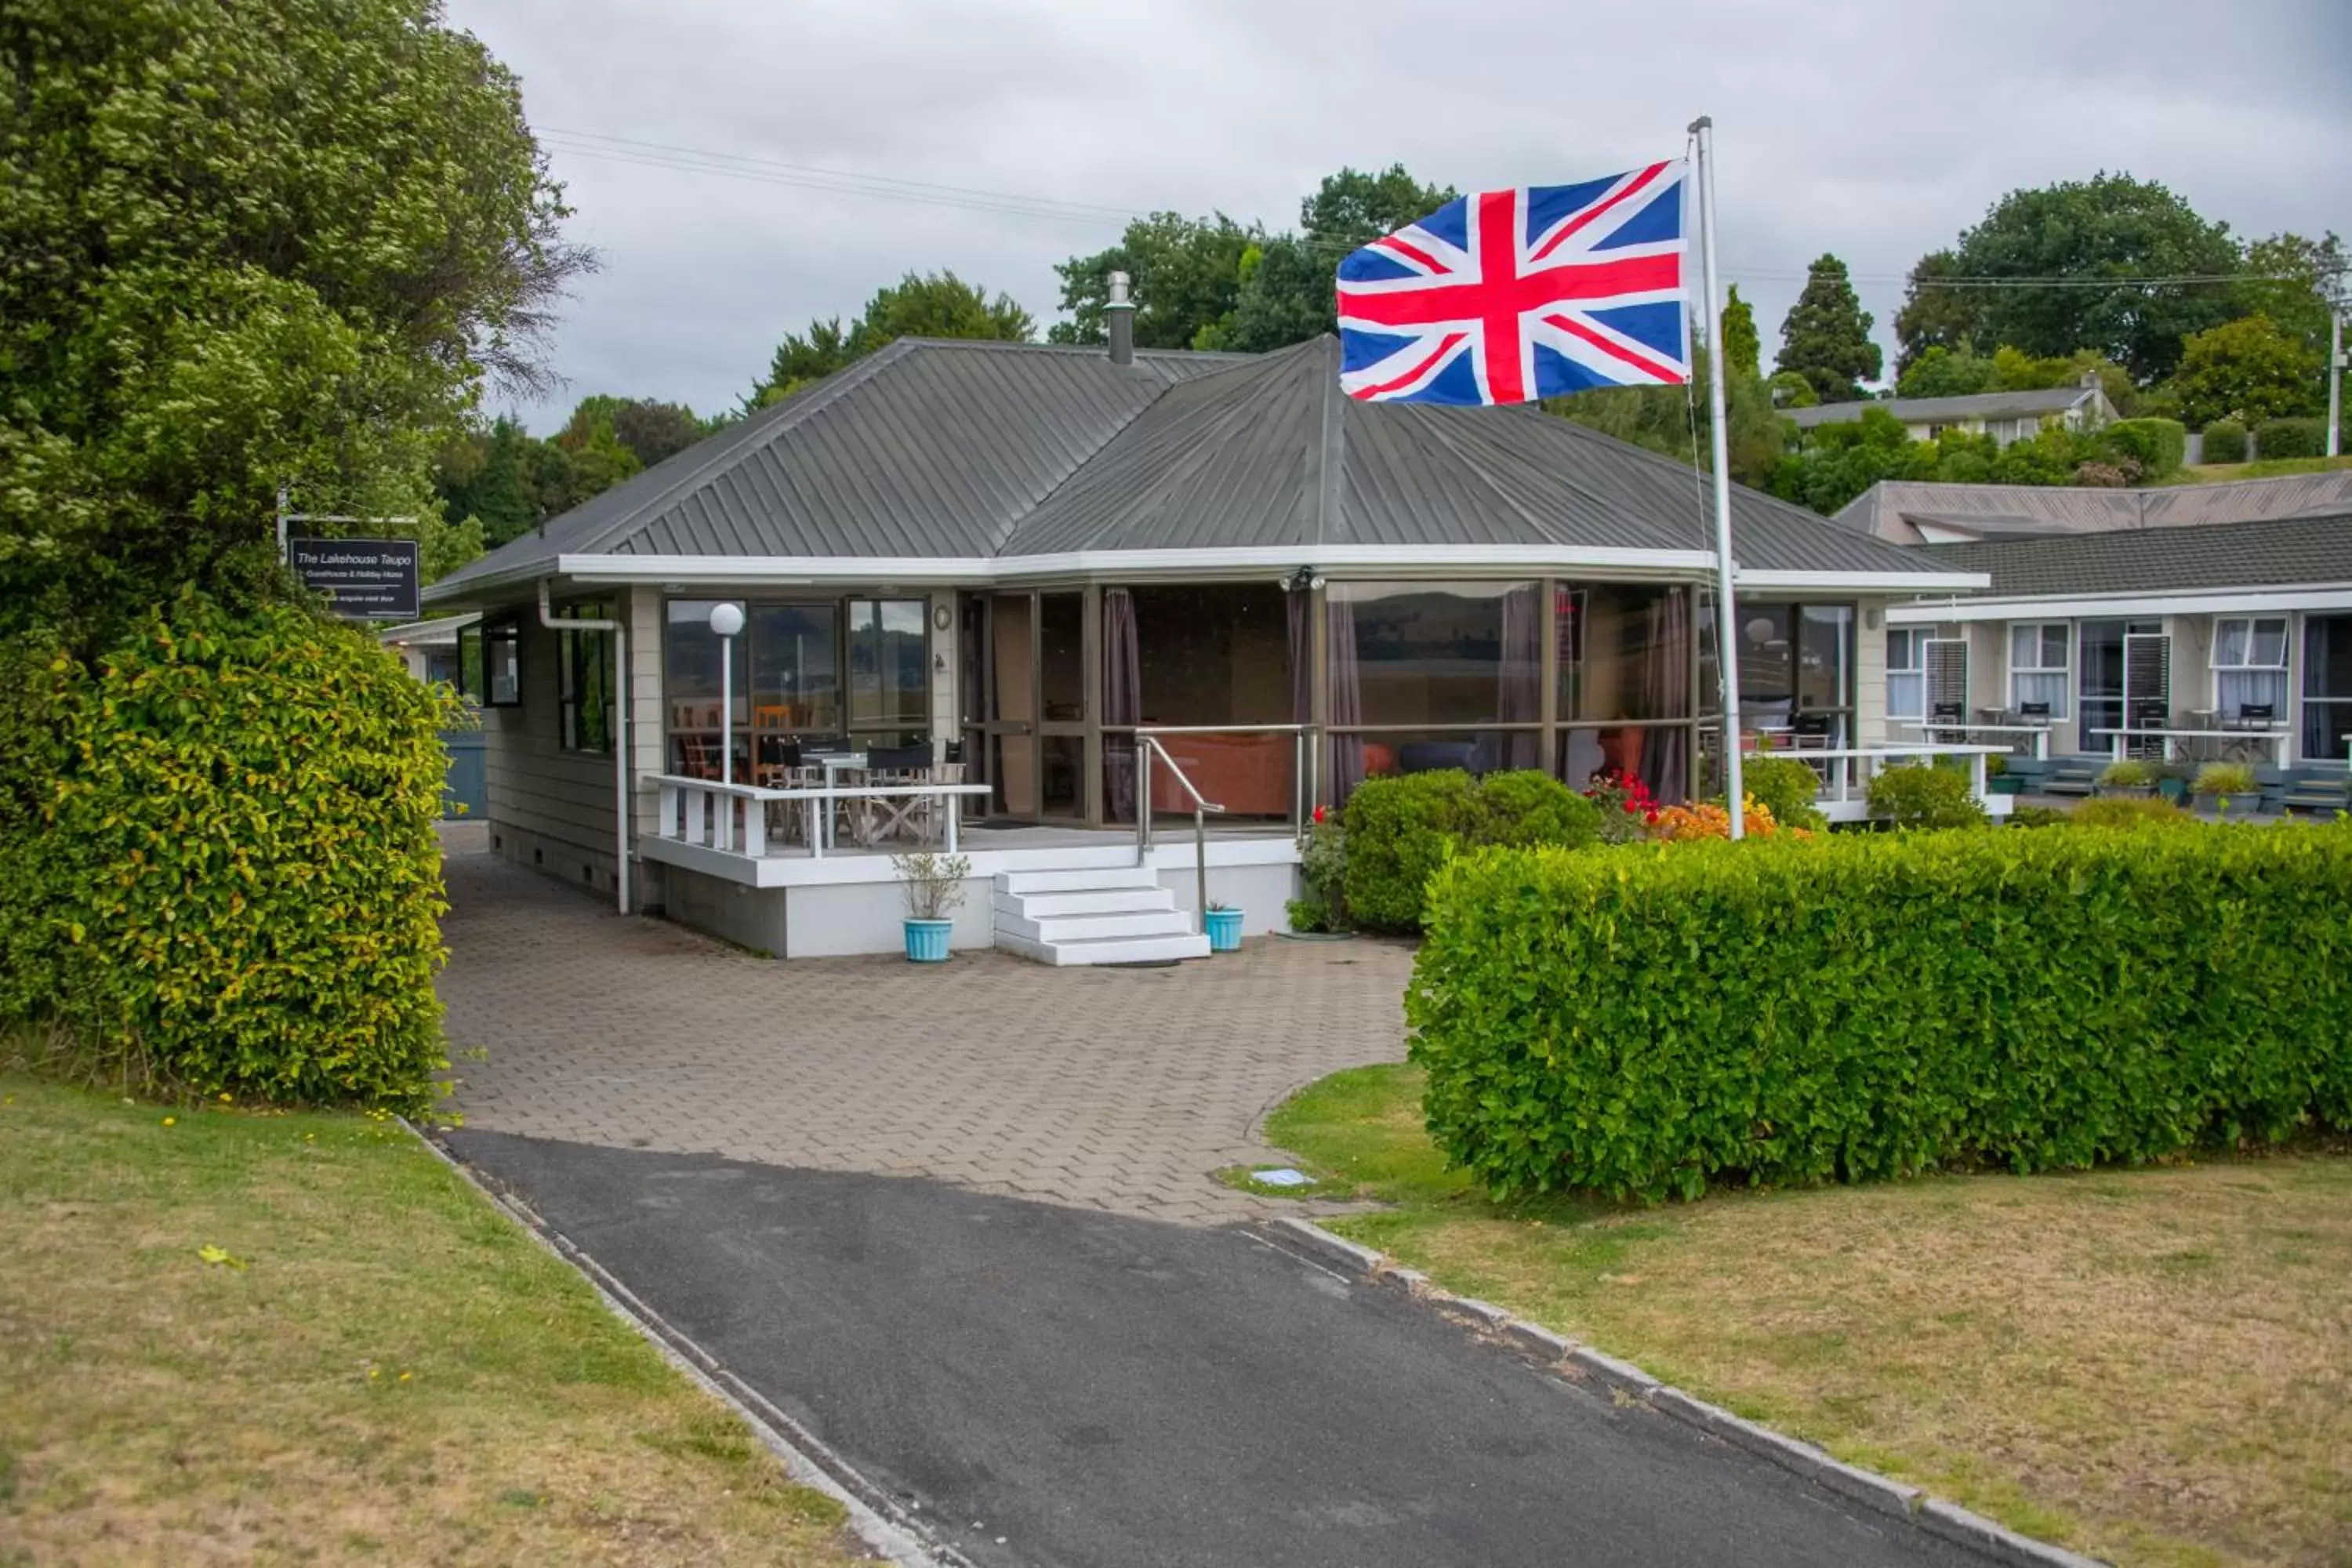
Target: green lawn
2154 1366
291 1338
2274 468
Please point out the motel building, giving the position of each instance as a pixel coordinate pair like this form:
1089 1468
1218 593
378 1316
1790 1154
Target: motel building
1111 625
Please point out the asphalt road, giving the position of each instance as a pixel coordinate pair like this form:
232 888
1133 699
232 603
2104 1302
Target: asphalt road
1055 1387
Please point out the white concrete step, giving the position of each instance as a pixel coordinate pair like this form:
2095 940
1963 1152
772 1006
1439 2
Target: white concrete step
1098 901
1079 881
1112 949
1086 928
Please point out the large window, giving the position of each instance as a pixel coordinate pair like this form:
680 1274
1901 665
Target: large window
788 688
690 691
1796 669
2327 687
889 670
2037 669
1906 675
2100 675
583 663
2250 667
490 663
1437 660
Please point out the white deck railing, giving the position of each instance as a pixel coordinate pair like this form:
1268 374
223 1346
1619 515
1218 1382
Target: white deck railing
2038 734
2274 736
733 817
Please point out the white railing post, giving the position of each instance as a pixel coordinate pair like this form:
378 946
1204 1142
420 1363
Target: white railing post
755 827
955 812
666 824
1977 776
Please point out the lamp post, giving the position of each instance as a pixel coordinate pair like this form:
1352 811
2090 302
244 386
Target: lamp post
726 620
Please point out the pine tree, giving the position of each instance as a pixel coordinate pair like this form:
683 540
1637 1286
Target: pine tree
1743 350
1826 338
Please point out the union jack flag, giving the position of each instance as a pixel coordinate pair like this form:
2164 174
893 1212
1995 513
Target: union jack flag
1509 296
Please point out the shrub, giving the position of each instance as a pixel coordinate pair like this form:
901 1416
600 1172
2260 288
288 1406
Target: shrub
2158 446
235 879
2142 811
1924 797
2129 773
1323 869
2290 438
1785 787
2225 442
2223 778
1712 819
1642 1022
2040 817
1401 829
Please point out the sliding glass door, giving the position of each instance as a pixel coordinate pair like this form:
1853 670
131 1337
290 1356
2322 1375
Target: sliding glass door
1025 715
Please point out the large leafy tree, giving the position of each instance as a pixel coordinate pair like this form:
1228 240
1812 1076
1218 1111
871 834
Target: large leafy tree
1676 422
2073 266
243 247
2248 369
1826 336
2298 283
1186 275
920 305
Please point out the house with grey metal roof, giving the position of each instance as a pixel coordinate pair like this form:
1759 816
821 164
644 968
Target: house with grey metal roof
1065 592
2006 416
1930 511
2183 639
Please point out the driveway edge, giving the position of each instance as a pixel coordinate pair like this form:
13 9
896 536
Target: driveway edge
875 1518
1947 1521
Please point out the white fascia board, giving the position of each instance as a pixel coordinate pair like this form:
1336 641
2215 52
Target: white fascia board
2076 607
1279 559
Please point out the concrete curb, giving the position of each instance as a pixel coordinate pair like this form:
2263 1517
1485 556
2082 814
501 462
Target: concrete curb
1947 1521
873 1514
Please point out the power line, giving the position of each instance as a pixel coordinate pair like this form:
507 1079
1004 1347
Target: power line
887 188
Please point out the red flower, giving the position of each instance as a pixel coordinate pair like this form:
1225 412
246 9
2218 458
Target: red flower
1319 814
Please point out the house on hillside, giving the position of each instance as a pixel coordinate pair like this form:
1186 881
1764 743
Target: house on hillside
2223 639
2006 416
1044 592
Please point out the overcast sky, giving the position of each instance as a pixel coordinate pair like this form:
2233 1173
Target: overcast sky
1872 131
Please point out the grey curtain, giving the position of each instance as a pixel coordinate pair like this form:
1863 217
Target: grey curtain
1519 678
1665 683
1122 701
1347 697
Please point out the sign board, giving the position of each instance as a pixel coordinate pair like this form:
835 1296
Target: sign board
363 579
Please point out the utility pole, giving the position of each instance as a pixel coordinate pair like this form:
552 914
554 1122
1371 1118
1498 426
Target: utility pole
2335 383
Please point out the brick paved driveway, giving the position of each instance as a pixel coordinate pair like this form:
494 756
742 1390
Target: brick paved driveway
1119 1089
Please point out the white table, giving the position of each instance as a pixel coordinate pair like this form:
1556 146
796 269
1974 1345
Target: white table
833 764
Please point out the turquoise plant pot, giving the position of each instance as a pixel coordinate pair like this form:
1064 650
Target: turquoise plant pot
1224 930
926 941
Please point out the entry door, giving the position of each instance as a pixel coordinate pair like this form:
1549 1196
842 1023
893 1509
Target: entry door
1062 700
1011 724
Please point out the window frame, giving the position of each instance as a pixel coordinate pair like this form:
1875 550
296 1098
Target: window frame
569 699
483 635
1916 639
2283 701
2062 710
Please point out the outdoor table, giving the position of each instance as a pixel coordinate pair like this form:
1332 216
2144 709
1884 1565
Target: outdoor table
833 764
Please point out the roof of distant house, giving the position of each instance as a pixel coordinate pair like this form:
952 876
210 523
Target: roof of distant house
1909 511
2283 552
944 454
1945 410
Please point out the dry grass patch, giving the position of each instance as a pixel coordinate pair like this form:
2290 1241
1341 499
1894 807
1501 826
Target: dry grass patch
2151 1365
369 1365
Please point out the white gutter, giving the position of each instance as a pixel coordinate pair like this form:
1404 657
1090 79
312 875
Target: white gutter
621 813
2082 606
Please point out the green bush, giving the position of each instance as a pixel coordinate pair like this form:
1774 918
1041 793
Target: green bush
1643 1021
2290 438
1924 797
2225 442
2141 811
2129 773
2159 445
1786 787
235 879
1399 829
2223 778
1323 871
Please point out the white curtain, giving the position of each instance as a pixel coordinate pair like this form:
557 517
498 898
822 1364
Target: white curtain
2236 689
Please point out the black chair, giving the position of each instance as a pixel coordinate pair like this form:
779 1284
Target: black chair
2254 715
1435 757
898 759
2030 711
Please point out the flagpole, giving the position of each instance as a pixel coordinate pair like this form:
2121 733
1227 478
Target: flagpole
1727 651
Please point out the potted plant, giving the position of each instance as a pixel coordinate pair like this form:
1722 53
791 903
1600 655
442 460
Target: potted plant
1999 780
1224 925
2216 782
2172 781
2129 776
934 889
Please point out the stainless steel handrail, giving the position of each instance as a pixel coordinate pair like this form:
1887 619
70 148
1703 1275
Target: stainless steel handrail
1146 744
1305 761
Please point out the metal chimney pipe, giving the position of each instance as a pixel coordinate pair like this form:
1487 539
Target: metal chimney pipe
1118 315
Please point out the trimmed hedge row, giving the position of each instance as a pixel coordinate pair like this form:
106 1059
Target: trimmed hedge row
1646 1021
2290 438
218 857
1399 829
2225 442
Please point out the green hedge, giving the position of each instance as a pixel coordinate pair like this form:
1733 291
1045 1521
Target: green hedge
1911 796
2159 445
1786 787
2290 438
2225 442
1401 829
235 877
1645 1020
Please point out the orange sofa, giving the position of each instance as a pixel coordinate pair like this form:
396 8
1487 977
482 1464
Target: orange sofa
1249 776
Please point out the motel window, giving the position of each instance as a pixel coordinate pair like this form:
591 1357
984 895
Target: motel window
1796 669
889 670
2327 687
490 663
690 691
2250 667
583 663
2037 668
1906 673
